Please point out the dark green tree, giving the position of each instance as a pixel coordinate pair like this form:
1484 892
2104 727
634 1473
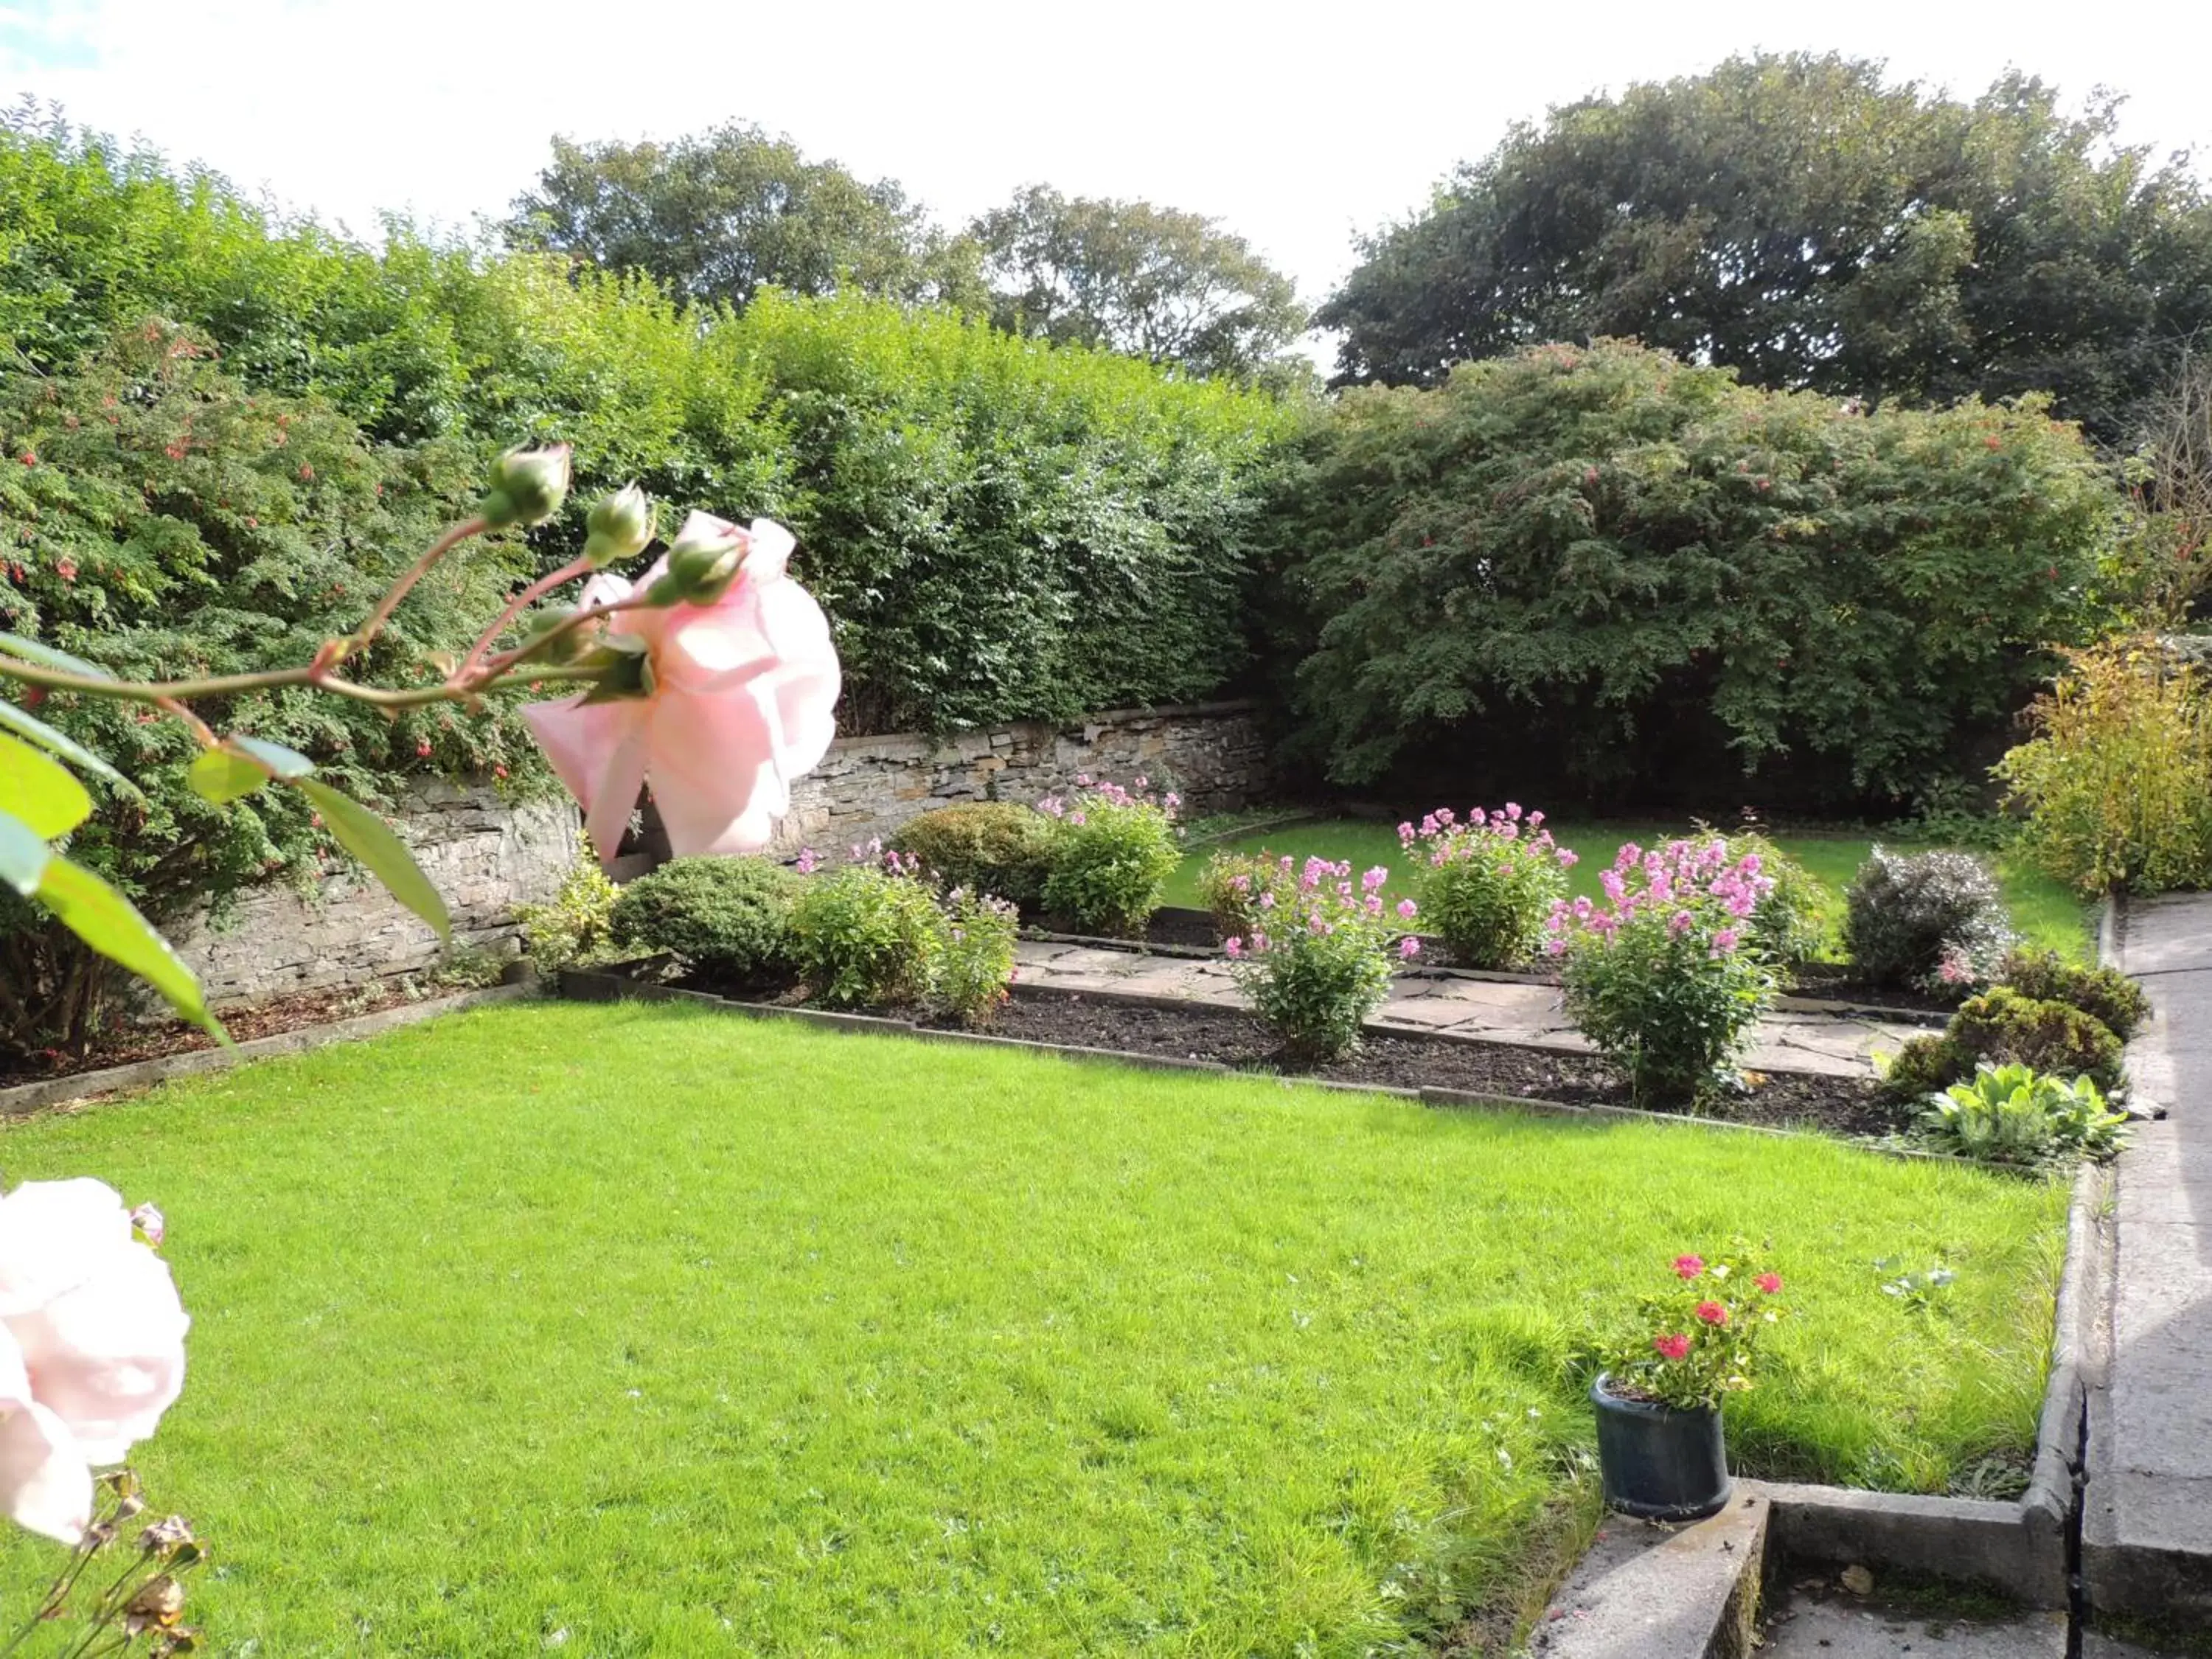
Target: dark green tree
716 215
1810 224
1151 282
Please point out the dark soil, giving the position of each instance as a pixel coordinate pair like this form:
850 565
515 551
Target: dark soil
154 1039
1838 1105
1835 980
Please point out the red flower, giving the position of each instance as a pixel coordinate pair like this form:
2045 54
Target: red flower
1769 1283
1712 1313
1689 1266
28 459
423 748
1672 1347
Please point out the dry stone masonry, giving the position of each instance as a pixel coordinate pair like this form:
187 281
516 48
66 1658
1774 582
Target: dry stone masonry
1214 754
486 854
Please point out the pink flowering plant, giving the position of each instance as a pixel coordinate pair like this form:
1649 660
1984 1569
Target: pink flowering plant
1231 885
1488 883
1661 976
1116 849
883 932
1317 962
1696 1342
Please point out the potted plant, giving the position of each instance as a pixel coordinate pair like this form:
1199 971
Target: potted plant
1660 1445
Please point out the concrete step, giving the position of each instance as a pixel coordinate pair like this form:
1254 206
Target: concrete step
1647 1591
1840 1626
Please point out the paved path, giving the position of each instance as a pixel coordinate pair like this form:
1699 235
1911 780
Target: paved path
1502 1010
2147 1517
1836 1628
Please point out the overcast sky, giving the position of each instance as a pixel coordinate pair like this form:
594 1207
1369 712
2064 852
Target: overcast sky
1297 128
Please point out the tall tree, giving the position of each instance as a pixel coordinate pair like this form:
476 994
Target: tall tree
717 215
1152 281
1806 222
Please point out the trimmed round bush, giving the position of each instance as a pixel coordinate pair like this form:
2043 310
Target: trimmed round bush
2003 1027
1926 1065
999 848
726 916
1111 861
1930 919
2104 993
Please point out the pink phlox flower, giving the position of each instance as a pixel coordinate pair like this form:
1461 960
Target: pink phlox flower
809 861
1513 810
1374 878
1568 857
1407 909
1555 947
1266 900
1723 942
1078 818
1630 855
1171 800
1679 923
1614 885
1409 947
1242 883
1234 948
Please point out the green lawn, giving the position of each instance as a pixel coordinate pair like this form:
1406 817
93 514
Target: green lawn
2044 911
683 1335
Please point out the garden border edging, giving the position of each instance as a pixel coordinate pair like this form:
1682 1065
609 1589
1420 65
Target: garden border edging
23 1098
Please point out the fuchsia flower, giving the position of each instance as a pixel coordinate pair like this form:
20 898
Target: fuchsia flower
1712 1313
1689 1266
1672 1347
741 702
92 1347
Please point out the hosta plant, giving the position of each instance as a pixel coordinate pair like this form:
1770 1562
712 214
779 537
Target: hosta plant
2016 1114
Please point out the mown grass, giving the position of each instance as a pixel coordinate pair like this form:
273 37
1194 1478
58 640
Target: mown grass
644 1330
2044 911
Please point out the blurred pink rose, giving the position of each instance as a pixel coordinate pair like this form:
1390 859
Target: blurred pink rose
92 1348
743 691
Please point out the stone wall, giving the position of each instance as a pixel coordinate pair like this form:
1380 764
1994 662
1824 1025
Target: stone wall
486 855
1212 754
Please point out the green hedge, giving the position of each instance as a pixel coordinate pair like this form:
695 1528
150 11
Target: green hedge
999 530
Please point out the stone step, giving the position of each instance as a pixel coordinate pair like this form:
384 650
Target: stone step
1647 1591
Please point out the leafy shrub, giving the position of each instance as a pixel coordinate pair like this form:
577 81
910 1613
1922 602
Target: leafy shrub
999 847
1001 530
977 964
576 926
1796 919
1926 1066
2016 1114
2003 1027
1232 884
869 935
726 916
2106 994
1697 1342
1657 977
2117 783
1625 566
1115 852
1488 885
1935 921
1317 963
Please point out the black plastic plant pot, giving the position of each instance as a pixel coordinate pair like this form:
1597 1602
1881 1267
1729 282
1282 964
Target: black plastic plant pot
1658 1462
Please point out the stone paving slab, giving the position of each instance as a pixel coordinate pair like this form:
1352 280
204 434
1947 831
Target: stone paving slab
1496 1011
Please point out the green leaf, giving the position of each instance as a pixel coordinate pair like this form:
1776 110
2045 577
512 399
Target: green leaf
221 776
24 855
111 925
31 651
367 837
29 726
288 764
39 791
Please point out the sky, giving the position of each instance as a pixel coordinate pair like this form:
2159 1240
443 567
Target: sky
1298 128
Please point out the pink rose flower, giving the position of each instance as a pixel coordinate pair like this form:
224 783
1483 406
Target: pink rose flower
92 1348
743 691
1689 1266
1672 1347
1712 1313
